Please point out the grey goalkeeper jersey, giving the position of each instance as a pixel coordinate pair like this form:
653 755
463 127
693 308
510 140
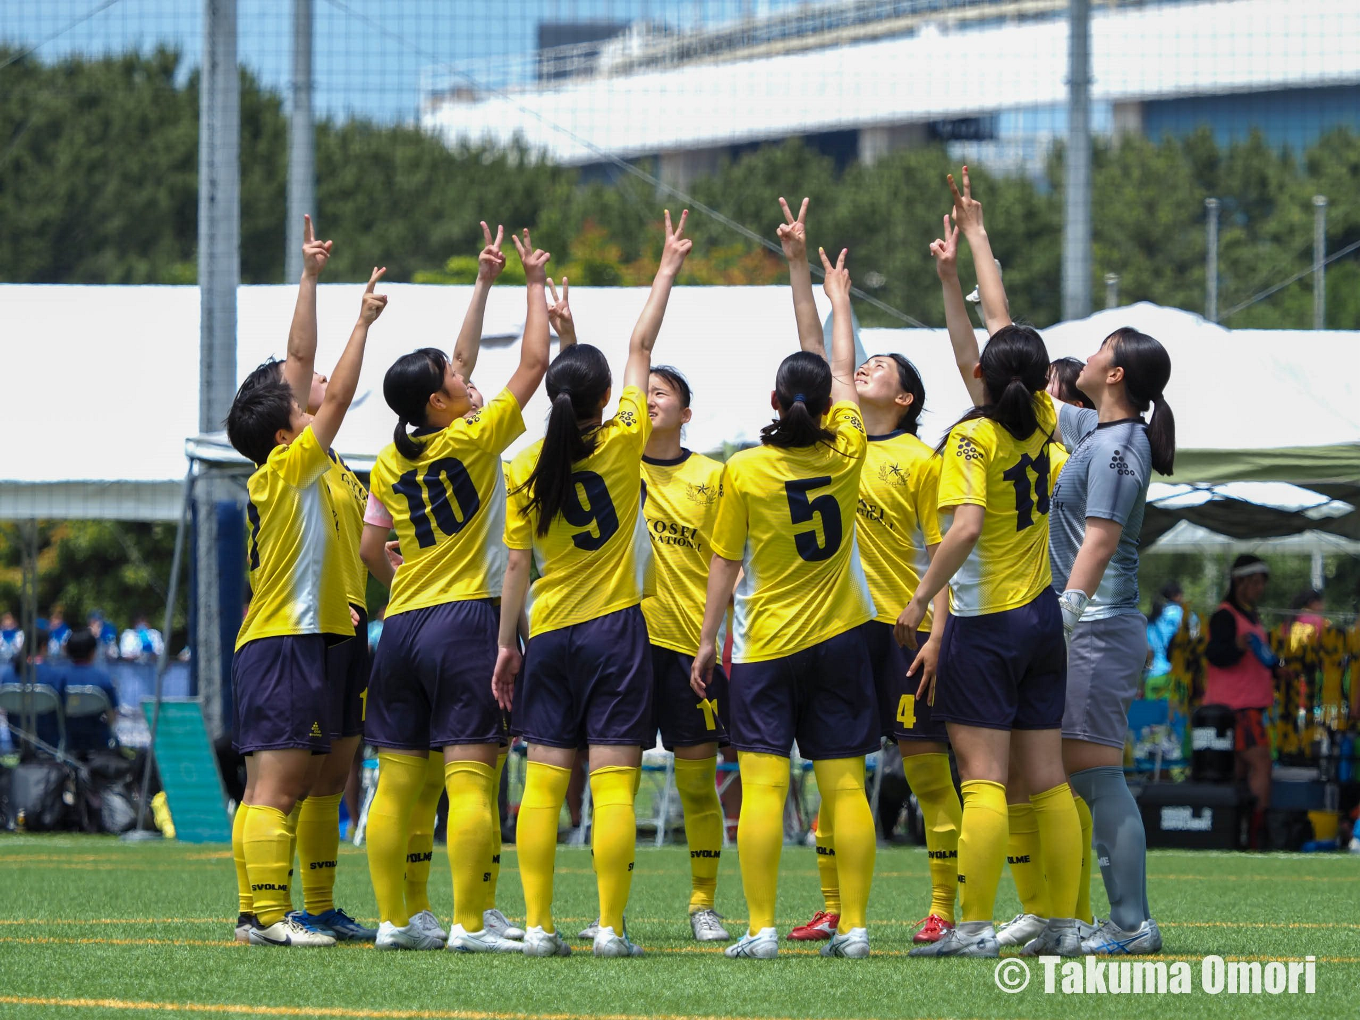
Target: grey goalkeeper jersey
1106 476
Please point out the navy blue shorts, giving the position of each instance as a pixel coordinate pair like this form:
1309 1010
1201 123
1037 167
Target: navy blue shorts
590 683
900 715
682 717
1005 671
823 697
347 668
431 682
279 689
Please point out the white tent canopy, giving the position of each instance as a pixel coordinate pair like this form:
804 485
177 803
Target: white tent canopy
104 380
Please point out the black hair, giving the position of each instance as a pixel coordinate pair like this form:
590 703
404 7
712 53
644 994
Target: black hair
407 387
40 635
1147 370
910 381
677 382
1245 560
263 405
577 382
1304 598
81 645
1170 592
803 389
1066 370
1014 368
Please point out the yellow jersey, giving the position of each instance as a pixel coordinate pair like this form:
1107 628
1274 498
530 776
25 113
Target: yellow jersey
984 465
448 508
789 516
680 504
296 572
350 499
897 520
596 557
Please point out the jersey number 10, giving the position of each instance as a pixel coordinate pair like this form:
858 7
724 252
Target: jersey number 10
1018 475
458 492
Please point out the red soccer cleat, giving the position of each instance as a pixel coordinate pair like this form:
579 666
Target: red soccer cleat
822 926
933 928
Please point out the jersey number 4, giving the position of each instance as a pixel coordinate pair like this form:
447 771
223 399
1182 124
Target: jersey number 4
449 485
1025 503
803 510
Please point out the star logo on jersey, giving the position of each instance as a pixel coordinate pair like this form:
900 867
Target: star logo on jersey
1118 464
703 493
316 729
967 449
628 418
892 475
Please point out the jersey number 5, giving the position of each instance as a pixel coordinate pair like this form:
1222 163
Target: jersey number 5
1018 475
803 511
459 492
596 514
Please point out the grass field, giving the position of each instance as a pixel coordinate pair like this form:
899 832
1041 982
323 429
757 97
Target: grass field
92 927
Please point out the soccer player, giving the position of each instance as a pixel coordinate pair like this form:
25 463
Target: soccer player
1002 673
800 663
575 501
299 606
443 488
680 506
896 531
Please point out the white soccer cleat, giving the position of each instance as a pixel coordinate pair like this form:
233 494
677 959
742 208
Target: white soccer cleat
1112 940
763 945
590 930
1059 938
853 945
609 944
244 923
498 924
288 931
1021 929
708 927
410 937
968 939
426 923
463 941
538 942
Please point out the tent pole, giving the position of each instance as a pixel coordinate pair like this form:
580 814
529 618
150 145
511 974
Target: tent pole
164 659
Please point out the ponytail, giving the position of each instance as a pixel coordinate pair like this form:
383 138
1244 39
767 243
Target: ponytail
797 427
406 446
1147 370
1014 372
407 388
802 383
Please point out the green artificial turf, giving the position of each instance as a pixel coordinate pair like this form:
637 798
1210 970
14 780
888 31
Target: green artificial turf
93 927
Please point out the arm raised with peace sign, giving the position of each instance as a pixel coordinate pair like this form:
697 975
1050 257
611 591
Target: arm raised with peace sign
837 287
344 380
533 348
490 263
673 253
793 239
300 364
559 316
968 217
945 251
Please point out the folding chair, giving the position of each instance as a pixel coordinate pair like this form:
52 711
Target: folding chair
28 701
84 701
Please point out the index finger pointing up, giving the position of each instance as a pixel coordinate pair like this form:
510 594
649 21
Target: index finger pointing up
954 190
500 236
788 213
308 234
802 212
669 231
684 215
486 233
967 187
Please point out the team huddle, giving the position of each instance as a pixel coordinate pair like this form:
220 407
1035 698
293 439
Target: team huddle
978 599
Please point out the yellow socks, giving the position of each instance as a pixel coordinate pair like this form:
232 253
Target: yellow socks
1084 887
760 831
245 903
1026 861
615 824
545 788
982 848
469 787
292 823
841 782
826 863
400 778
1060 847
695 780
493 871
930 779
318 847
420 836
266 853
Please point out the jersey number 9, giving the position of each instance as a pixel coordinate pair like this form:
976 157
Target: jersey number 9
803 511
459 491
596 514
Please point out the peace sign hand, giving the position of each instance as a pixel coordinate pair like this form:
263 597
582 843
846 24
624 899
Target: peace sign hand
373 304
559 312
677 246
967 209
491 261
837 282
793 232
315 254
945 251
534 260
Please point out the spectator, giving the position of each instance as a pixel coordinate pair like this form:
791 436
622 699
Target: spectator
1168 612
140 641
1308 622
11 638
58 633
105 633
45 727
91 733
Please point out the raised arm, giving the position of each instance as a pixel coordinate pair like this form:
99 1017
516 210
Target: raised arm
533 348
559 316
345 379
649 323
301 361
945 251
968 215
837 287
793 238
490 262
